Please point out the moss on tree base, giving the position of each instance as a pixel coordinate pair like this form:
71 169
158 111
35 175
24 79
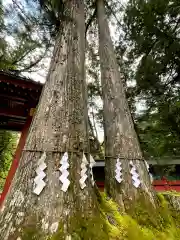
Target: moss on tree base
145 224
78 228
110 224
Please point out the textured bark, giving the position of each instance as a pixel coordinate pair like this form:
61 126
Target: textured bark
174 201
120 137
60 125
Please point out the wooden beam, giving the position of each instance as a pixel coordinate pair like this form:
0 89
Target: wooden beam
13 126
22 83
16 160
17 113
14 98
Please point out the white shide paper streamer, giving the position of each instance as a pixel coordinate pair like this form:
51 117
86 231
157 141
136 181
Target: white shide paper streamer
135 176
118 171
92 163
147 166
38 181
64 172
83 172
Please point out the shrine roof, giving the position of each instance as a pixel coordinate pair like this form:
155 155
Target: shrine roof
17 96
14 78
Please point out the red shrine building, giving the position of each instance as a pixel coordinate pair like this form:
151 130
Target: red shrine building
19 97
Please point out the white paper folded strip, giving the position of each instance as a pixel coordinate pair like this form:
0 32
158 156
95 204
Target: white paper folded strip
135 176
65 185
118 171
92 163
83 175
64 172
150 175
38 180
39 177
38 189
147 165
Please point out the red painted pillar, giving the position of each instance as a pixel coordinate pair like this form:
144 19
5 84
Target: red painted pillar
16 159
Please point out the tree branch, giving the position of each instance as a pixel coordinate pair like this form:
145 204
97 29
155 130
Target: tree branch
113 13
91 19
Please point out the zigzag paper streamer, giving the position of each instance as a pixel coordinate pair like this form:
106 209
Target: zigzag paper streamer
39 182
64 172
147 166
83 172
135 176
118 171
92 163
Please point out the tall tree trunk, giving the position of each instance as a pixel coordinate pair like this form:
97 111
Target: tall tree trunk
60 126
120 137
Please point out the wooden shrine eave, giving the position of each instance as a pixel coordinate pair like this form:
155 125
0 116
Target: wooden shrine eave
17 96
24 83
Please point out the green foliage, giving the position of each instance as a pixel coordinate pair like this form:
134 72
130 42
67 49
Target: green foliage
21 49
8 143
158 133
5 62
152 44
53 13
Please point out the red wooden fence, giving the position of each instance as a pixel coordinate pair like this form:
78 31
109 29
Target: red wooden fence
159 185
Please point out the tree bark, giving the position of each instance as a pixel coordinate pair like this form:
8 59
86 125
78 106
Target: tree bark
60 126
120 137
